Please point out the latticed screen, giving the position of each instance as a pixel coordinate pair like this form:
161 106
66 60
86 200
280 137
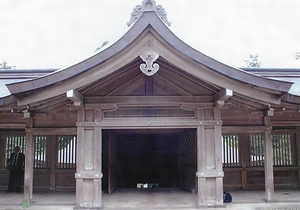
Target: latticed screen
282 151
188 149
66 152
230 150
40 152
12 142
256 150
124 112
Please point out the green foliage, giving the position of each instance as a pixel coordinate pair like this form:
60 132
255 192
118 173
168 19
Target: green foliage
4 65
253 61
26 205
231 141
103 44
297 55
64 141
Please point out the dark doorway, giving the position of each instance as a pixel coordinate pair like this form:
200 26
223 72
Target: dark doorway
149 158
154 157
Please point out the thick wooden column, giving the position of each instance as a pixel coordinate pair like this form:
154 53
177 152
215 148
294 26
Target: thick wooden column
89 160
268 150
297 140
29 162
52 159
209 158
244 156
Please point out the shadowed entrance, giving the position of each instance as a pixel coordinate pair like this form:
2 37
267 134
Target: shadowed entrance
149 159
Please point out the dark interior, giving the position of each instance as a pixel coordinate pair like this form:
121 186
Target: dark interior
146 156
151 158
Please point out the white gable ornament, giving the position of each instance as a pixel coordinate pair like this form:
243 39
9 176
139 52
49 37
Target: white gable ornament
149 67
148 5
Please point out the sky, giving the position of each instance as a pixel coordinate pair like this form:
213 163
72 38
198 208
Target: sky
38 34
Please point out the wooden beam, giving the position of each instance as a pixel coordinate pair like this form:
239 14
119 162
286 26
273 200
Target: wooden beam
244 129
76 97
52 131
12 126
148 100
222 96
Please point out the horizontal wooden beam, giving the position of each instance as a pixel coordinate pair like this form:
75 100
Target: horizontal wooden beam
244 129
52 131
149 123
148 100
12 126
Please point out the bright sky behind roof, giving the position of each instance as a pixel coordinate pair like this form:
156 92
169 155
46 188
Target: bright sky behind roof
60 33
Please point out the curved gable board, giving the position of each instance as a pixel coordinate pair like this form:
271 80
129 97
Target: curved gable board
130 46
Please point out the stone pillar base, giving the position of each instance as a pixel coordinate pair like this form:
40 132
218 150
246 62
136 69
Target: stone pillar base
89 208
211 206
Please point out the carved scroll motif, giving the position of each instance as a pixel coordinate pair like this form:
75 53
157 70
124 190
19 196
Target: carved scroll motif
149 67
148 5
160 11
136 13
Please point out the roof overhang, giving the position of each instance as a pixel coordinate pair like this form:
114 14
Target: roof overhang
149 32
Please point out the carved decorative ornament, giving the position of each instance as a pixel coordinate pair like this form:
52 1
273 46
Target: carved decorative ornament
148 5
149 67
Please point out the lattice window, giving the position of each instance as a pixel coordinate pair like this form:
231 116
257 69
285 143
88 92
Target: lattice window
66 152
124 112
282 151
188 149
230 149
40 152
256 150
12 142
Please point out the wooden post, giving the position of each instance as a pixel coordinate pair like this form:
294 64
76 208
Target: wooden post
209 159
244 157
89 165
297 140
52 160
28 175
2 151
268 149
201 166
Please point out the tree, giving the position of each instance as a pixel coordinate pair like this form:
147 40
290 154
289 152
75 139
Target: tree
297 55
4 65
253 61
103 44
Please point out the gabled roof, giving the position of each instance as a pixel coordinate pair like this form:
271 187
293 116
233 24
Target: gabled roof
19 75
149 31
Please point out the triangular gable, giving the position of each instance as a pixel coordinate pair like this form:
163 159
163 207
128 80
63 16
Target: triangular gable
149 33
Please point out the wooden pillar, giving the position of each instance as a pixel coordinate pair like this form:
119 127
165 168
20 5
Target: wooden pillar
89 160
244 157
209 158
2 151
268 151
29 163
297 140
52 160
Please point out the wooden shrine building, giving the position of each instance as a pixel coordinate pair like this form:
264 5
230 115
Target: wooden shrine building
151 109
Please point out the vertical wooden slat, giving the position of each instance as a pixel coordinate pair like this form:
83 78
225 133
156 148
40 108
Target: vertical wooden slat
224 153
289 150
227 151
281 162
70 151
58 152
40 141
275 151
